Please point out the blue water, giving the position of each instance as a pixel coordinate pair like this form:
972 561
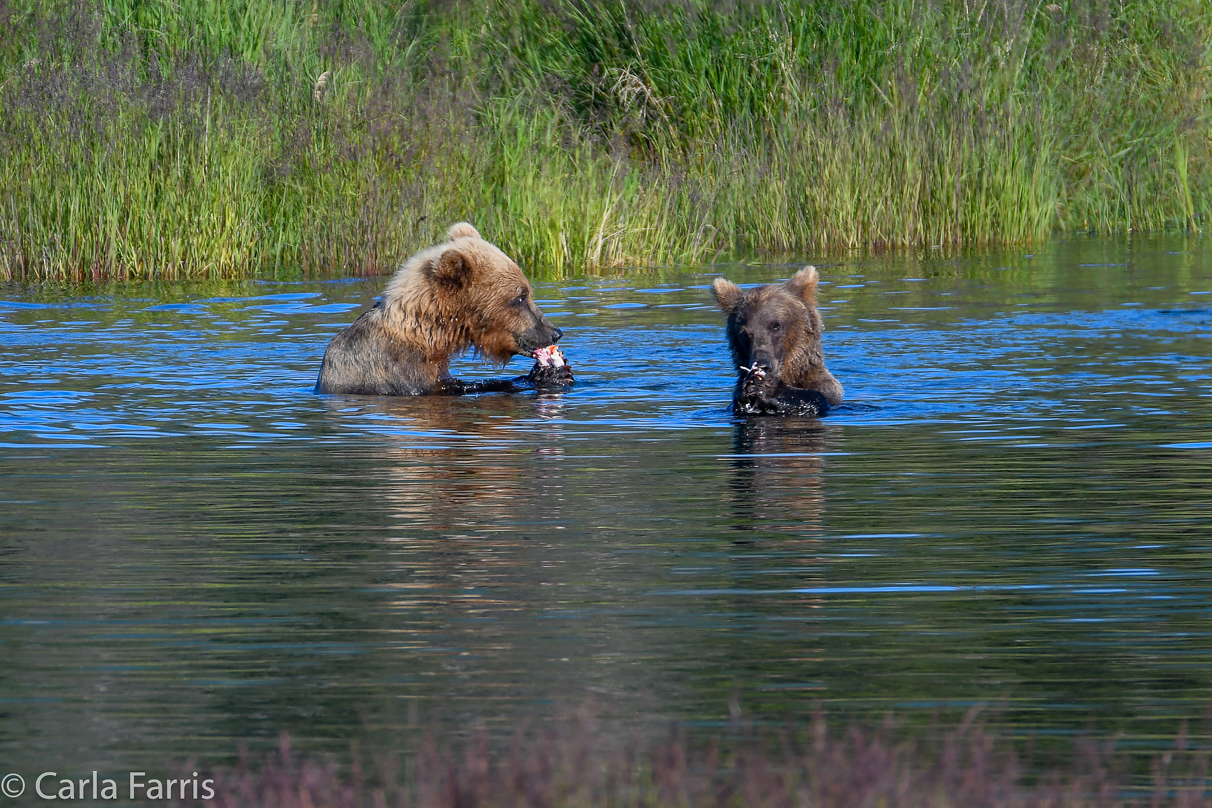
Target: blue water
1011 507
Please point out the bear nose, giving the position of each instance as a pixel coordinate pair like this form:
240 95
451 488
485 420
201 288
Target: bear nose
556 334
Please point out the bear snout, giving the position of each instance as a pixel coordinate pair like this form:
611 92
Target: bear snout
541 335
764 359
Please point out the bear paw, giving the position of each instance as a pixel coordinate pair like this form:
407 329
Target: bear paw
757 383
550 377
761 393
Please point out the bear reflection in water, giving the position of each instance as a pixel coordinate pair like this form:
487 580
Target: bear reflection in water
459 295
774 333
776 475
458 465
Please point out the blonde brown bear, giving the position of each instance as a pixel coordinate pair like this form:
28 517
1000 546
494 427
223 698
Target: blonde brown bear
463 294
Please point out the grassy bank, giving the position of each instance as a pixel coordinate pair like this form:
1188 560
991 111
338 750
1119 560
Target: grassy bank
143 138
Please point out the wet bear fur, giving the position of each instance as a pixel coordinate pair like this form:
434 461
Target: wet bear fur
463 294
774 332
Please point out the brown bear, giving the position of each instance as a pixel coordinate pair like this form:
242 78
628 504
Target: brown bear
462 294
774 332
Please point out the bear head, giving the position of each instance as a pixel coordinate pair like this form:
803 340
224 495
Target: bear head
468 293
778 327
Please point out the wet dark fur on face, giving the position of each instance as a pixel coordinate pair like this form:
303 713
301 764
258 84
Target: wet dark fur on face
774 333
460 295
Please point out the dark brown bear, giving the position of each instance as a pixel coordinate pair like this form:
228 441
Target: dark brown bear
463 294
774 332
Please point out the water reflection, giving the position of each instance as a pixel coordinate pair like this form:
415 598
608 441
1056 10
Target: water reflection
777 466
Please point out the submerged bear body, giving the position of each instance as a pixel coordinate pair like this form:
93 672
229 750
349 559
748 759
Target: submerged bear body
463 294
774 334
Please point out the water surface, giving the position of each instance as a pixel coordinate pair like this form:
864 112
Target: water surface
1013 506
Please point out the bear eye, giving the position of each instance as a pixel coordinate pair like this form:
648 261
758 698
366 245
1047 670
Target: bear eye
775 326
520 300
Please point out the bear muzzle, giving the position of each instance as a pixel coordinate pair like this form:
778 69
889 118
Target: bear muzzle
765 360
544 334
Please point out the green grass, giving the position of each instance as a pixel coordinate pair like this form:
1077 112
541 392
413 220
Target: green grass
148 139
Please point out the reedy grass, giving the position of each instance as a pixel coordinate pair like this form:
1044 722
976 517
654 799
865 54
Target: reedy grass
148 139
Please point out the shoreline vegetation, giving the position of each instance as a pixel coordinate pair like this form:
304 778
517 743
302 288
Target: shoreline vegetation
148 139
574 761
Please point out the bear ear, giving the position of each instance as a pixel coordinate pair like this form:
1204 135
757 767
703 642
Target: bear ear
461 230
451 269
803 284
727 294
